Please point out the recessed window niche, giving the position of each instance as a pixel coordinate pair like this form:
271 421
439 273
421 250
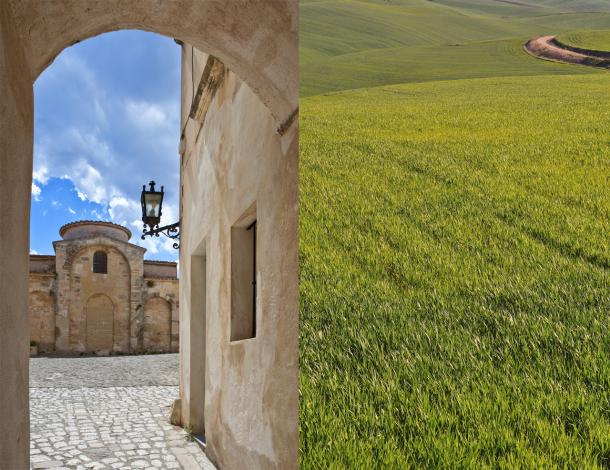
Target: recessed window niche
243 277
100 262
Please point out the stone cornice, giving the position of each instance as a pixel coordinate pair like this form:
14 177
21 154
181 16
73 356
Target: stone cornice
160 263
42 273
160 278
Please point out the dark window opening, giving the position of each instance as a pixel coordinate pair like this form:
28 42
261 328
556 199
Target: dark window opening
252 227
100 262
243 281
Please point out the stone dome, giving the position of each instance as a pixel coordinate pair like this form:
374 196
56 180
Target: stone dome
89 228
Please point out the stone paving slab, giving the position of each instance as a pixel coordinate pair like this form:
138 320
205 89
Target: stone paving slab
103 426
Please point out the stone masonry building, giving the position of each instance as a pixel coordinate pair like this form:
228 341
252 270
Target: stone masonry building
97 294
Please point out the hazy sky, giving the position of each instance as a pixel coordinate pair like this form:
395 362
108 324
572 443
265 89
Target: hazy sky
106 122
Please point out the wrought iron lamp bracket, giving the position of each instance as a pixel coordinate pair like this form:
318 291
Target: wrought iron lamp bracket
170 231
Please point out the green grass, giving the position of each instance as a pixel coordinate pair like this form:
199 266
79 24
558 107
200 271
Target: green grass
455 237
347 44
524 8
455 275
595 40
334 27
428 63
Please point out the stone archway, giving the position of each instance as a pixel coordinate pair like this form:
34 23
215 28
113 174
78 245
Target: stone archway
258 41
156 331
99 314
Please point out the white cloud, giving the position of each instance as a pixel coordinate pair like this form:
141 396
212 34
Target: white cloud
71 211
89 144
41 174
97 215
145 115
122 210
33 252
88 181
36 191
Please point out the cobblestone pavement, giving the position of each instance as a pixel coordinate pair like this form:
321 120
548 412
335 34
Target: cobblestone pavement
107 413
111 371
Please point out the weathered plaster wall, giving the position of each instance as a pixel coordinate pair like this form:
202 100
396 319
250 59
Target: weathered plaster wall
16 134
232 161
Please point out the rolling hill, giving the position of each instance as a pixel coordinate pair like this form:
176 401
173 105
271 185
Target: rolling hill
357 44
594 40
455 237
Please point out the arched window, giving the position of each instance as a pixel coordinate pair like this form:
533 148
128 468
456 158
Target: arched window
100 262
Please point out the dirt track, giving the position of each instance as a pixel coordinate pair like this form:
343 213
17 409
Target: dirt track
547 47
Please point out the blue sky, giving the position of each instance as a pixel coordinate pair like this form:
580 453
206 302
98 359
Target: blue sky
106 122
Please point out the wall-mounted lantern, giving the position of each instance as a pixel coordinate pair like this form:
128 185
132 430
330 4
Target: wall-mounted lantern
152 202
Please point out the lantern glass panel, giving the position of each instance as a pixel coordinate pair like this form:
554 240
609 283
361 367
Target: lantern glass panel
153 204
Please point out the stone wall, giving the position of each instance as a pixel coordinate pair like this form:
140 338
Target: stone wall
161 294
76 284
160 269
93 295
42 310
119 311
42 264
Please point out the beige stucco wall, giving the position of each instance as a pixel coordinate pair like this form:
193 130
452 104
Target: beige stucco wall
16 144
234 161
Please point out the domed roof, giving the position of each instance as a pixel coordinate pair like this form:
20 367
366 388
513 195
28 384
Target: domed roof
87 228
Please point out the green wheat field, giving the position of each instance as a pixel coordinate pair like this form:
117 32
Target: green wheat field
455 237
